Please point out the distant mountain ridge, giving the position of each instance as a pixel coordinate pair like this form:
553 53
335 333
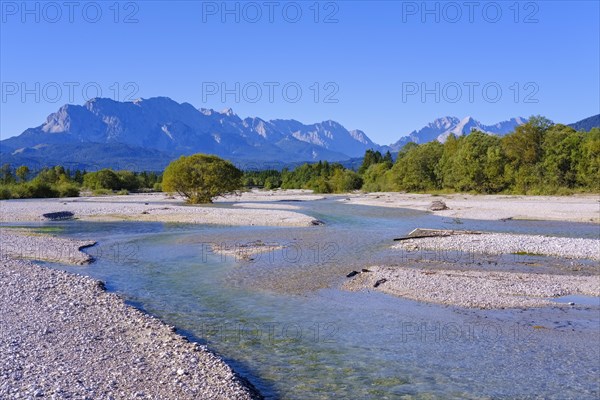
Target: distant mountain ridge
146 134
443 127
162 126
587 124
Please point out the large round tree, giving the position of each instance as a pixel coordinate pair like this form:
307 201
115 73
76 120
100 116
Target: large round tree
201 177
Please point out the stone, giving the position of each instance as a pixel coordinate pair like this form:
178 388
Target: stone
438 205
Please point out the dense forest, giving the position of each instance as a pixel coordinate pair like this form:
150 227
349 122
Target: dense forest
537 158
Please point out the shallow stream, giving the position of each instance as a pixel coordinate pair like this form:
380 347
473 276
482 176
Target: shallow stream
283 323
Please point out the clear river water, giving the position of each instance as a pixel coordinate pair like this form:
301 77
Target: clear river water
282 321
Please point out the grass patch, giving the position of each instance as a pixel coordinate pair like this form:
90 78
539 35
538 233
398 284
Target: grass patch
526 253
37 229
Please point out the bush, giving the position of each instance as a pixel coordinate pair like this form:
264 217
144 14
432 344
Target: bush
200 178
39 190
103 179
101 192
68 190
5 193
128 180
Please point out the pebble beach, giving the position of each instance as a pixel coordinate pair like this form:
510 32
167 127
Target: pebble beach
156 207
63 336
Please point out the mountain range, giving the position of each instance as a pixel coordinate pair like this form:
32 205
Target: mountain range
441 128
146 134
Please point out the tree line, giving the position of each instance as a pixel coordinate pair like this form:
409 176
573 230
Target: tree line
539 157
22 183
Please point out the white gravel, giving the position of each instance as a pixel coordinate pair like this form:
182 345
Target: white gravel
63 336
246 251
272 196
577 208
474 289
24 244
496 243
151 207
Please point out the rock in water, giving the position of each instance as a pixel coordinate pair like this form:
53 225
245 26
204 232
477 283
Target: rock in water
438 205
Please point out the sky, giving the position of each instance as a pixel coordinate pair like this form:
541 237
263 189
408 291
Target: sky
386 68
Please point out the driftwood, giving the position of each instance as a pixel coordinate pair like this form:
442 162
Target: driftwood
420 233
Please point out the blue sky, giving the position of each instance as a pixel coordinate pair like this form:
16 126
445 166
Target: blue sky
382 67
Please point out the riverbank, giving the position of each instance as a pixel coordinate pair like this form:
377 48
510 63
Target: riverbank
576 208
158 207
22 243
473 289
502 243
482 287
64 336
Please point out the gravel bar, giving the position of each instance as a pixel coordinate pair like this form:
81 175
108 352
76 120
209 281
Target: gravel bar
497 243
577 208
16 243
473 289
151 208
62 336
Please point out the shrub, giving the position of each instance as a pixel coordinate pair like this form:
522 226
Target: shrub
38 189
5 193
200 177
101 192
68 190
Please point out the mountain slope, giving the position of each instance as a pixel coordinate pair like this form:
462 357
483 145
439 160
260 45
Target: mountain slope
441 128
587 124
164 129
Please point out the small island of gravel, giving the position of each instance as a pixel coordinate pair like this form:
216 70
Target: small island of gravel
473 289
483 288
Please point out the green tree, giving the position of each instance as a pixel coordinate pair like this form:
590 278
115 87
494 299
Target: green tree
562 152
524 152
344 180
387 158
417 170
588 167
6 175
22 173
103 179
375 178
128 180
465 160
494 169
201 177
371 157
